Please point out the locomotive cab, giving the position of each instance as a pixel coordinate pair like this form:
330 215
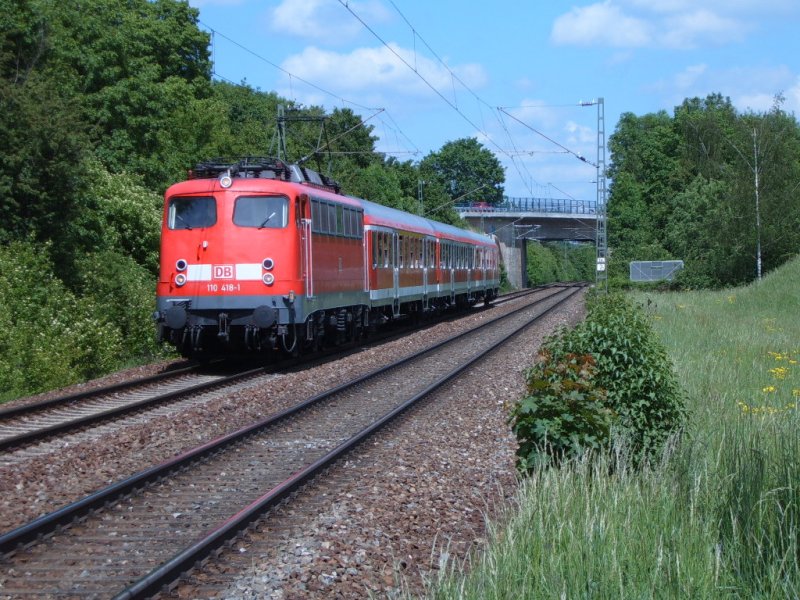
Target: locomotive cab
230 260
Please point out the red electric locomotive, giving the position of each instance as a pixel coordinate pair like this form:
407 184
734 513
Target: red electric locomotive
260 255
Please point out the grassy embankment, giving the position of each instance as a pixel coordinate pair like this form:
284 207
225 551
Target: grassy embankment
720 517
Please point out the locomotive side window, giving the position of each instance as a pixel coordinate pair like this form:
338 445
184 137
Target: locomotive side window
331 219
271 212
315 216
339 221
192 212
348 222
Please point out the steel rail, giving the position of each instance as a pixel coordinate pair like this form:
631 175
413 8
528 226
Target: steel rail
46 524
170 571
15 411
36 435
118 411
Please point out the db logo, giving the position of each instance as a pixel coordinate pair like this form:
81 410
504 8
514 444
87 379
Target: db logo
223 271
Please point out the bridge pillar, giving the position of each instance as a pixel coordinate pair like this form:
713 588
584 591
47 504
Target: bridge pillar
515 258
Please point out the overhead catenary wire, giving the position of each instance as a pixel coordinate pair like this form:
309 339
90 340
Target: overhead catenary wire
453 75
215 33
549 139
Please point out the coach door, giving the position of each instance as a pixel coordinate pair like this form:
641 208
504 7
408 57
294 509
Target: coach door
395 274
427 251
451 266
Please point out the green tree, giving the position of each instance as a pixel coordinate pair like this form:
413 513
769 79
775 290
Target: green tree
684 187
130 68
466 170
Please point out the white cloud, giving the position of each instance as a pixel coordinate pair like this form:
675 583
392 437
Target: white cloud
689 76
758 102
603 24
578 134
688 29
366 69
749 88
793 98
723 6
676 24
201 3
324 19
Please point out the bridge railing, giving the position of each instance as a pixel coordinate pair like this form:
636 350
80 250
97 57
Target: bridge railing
545 205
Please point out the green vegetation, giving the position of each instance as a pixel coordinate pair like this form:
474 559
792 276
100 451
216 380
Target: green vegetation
683 187
560 261
607 378
718 516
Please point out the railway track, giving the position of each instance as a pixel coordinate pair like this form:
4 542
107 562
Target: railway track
21 426
135 536
27 424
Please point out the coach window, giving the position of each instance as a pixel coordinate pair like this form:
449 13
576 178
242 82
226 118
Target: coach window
261 211
192 212
402 251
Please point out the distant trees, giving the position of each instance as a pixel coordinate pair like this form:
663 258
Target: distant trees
683 187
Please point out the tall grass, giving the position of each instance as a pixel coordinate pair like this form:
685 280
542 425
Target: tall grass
719 517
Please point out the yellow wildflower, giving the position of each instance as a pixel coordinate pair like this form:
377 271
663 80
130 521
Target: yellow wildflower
769 389
779 372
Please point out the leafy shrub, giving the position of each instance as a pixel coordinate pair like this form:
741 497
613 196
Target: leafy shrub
563 413
122 293
121 216
632 378
48 337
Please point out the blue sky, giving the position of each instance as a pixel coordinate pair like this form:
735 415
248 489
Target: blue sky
510 73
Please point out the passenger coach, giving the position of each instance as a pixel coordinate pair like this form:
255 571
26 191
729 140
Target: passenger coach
259 255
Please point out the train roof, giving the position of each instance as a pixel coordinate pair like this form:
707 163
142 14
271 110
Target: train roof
379 214
250 172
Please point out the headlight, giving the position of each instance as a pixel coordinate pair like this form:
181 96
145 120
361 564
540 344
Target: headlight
181 264
180 279
268 263
268 278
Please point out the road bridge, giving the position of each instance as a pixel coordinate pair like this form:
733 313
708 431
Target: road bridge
517 220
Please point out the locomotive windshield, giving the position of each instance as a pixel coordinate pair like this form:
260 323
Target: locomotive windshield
192 212
261 211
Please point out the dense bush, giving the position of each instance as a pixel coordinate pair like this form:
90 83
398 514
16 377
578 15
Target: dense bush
563 413
122 293
48 336
630 381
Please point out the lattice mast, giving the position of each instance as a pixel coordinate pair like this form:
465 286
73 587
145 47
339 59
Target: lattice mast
601 241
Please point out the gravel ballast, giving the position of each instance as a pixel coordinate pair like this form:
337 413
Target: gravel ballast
400 506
